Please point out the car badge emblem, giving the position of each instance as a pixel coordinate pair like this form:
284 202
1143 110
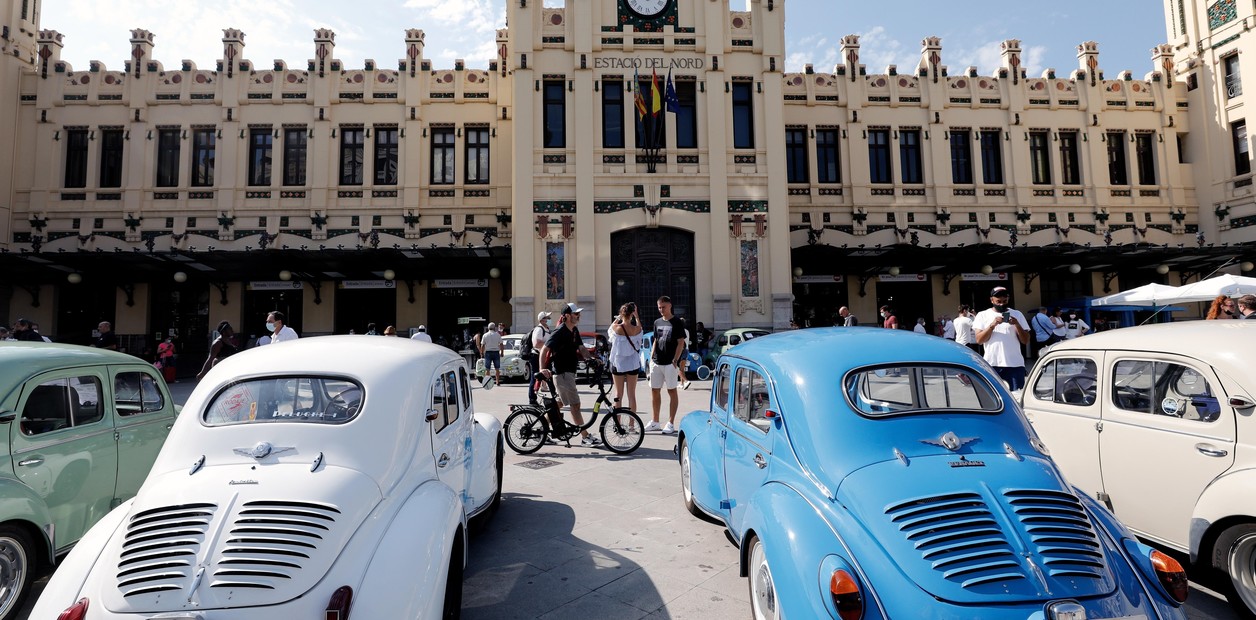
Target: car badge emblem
950 441
262 450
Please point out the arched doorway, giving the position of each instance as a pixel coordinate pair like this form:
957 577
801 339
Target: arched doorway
647 263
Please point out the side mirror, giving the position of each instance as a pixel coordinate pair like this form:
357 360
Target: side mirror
432 414
488 383
1238 402
8 416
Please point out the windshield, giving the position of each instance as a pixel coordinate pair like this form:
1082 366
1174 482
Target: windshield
311 400
890 390
749 335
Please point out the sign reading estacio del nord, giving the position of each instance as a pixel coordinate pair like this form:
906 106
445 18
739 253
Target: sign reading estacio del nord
648 62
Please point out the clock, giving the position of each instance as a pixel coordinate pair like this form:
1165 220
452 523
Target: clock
647 8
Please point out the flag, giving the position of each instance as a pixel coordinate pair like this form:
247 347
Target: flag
669 96
656 98
638 97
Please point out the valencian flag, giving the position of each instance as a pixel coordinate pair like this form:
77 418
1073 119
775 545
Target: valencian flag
638 97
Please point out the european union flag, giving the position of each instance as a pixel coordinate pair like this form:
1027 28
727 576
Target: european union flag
670 99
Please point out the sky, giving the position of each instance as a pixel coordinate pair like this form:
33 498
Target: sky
890 30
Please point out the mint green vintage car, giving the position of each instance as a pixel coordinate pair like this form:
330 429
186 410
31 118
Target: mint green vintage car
81 429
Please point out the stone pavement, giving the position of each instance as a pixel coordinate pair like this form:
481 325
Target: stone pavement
597 535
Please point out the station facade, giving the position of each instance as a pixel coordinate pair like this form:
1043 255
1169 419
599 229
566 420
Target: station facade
613 151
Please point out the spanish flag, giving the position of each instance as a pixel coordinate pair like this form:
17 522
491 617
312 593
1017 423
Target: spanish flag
656 97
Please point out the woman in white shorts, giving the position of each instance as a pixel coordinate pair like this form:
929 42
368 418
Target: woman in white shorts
625 359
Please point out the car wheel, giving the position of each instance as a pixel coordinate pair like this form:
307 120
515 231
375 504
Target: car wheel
453 582
1235 556
763 603
686 482
17 569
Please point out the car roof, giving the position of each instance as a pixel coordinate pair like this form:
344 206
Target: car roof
1225 345
32 358
374 358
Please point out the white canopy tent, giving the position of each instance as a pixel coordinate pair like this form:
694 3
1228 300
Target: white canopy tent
1146 295
1207 290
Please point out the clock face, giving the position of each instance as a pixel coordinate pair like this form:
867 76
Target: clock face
647 8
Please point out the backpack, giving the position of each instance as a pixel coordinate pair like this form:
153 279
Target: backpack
525 348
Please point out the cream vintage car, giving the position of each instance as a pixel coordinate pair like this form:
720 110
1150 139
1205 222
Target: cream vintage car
1158 423
306 479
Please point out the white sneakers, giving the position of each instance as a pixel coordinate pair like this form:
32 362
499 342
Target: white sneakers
590 441
652 426
668 429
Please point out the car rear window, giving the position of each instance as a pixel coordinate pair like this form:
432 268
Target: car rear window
891 390
307 400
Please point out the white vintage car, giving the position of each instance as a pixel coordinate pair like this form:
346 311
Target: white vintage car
307 479
1158 423
513 366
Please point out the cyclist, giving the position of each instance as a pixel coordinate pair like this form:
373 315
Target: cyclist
561 350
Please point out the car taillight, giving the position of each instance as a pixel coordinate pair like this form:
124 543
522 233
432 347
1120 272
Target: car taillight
338 606
846 596
1171 575
77 611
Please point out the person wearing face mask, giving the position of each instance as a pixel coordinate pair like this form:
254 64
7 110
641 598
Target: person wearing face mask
1075 326
1003 331
888 320
279 332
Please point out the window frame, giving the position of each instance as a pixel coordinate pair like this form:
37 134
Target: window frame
742 95
143 410
387 151
112 154
1145 158
71 416
613 131
1070 158
1057 395
880 166
476 158
1233 78
261 156
554 114
910 157
1039 158
828 157
1118 159
443 164
797 166
75 158
687 114
168 147
204 156
744 408
991 158
352 143
1241 146
295 156
721 386
961 157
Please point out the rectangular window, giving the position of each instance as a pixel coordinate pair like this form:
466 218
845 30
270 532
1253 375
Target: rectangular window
443 156
612 114
991 158
879 169
76 158
168 157
1070 159
477 155
111 157
260 147
351 155
1242 159
828 166
909 156
796 155
203 149
294 155
1117 170
1145 153
1039 158
1233 82
961 157
753 400
555 115
743 115
385 155
687 115
136 392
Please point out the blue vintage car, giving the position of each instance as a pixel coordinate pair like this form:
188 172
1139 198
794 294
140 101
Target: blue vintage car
695 368
869 473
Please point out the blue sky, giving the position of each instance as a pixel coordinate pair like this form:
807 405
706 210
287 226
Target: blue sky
891 31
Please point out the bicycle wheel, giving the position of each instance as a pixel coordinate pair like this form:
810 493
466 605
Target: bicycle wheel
622 431
525 430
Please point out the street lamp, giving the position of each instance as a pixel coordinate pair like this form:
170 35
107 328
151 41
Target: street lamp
1074 268
1162 269
894 271
1247 266
797 272
494 273
285 275
987 270
180 277
389 274
74 278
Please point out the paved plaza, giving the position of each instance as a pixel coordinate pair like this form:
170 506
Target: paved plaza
583 533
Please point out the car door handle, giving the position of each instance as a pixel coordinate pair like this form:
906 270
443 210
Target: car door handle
443 461
30 462
759 461
1209 450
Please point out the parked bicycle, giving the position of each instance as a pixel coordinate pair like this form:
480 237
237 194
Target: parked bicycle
528 427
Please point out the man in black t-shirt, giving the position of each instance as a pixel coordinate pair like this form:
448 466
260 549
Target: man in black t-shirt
107 339
558 360
669 343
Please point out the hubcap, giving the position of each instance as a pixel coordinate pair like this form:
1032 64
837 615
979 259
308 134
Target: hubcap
764 592
1243 569
684 472
12 572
